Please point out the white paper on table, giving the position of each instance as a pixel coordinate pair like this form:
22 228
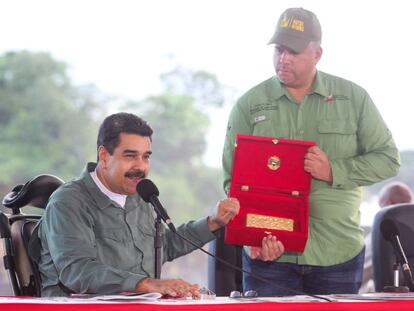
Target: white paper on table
119 297
80 298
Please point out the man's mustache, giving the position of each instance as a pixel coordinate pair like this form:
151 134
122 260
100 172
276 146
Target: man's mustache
137 173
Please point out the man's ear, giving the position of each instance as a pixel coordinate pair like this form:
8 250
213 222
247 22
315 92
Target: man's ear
318 55
103 156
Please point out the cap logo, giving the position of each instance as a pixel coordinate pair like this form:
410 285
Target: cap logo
295 24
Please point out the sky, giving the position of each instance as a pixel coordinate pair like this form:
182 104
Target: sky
122 46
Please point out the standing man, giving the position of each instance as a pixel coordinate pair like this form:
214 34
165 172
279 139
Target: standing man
354 148
97 234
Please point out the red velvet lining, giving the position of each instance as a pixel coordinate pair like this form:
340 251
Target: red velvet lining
281 192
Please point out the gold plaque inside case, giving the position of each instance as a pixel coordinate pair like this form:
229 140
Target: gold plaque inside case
269 222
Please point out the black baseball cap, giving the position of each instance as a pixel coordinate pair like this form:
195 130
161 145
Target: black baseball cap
296 28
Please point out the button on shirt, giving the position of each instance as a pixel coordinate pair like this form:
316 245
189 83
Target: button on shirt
342 119
91 245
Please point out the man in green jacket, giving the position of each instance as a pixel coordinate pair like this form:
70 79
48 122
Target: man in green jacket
97 234
354 148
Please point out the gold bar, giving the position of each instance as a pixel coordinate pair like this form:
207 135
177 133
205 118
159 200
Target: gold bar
269 222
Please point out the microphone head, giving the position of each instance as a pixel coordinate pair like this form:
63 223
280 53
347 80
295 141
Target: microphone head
388 229
146 189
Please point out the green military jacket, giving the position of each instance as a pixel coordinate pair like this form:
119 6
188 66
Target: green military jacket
89 244
342 119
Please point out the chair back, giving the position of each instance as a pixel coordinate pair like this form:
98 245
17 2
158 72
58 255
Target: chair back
383 253
221 278
17 231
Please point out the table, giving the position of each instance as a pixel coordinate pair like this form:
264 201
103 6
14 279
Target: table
222 304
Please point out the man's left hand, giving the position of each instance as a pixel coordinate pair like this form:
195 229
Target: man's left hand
317 164
227 209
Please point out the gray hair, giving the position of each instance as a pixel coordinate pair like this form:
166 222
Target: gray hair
314 45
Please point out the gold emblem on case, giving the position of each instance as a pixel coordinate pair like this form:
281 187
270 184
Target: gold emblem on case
273 163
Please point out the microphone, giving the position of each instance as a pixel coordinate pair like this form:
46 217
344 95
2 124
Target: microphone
148 191
390 233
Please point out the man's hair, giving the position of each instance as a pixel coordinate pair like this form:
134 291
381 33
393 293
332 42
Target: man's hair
395 193
122 122
314 45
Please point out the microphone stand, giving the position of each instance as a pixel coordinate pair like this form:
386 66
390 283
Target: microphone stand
157 247
396 288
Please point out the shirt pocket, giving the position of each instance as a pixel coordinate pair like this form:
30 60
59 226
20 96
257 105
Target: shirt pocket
119 234
269 127
344 127
338 138
115 247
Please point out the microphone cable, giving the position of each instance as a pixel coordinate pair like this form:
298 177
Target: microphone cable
249 272
148 191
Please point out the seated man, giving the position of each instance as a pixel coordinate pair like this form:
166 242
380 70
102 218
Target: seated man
393 193
97 234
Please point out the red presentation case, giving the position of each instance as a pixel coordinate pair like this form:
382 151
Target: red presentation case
269 180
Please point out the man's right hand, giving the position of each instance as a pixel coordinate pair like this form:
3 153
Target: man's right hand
171 287
271 249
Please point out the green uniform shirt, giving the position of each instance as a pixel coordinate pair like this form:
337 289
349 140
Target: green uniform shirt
342 119
92 245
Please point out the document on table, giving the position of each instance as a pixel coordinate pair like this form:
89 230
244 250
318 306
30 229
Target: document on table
118 297
373 296
85 298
